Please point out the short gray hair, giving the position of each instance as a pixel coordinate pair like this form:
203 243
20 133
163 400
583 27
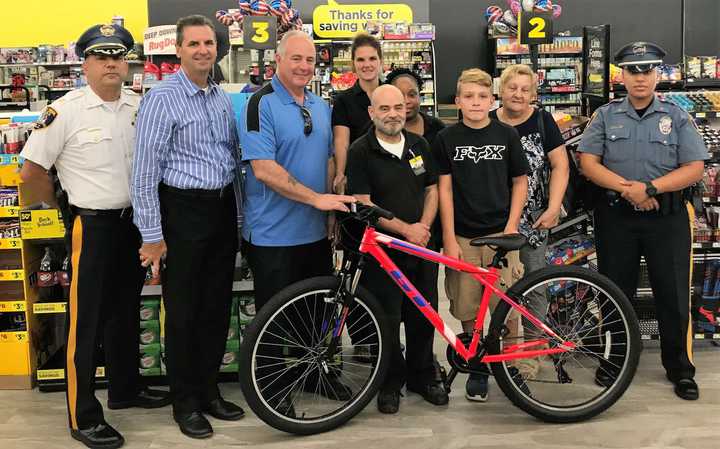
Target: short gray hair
192 21
289 35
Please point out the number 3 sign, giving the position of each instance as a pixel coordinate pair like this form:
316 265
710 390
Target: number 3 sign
259 33
535 28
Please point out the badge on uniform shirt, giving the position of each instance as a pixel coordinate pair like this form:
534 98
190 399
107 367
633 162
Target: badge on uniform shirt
665 125
46 118
417 165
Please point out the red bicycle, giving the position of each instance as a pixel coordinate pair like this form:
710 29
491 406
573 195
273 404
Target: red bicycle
299 372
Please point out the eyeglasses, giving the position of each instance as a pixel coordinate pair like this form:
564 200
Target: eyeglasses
307 120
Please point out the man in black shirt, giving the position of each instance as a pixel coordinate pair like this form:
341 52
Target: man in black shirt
482 190
394 169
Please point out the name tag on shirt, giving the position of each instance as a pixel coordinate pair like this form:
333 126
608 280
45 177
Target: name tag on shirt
417 165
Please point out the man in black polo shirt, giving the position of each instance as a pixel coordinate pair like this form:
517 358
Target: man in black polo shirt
393 169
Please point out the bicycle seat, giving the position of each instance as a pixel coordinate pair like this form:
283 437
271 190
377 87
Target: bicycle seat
510 242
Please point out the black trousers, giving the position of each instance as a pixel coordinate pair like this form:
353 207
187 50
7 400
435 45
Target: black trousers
622 236
200 230
276 267
417 368
103 309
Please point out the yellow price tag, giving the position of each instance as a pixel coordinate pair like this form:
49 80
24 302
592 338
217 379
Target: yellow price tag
10 243
12 306
50 374
13 337
11 275
50 307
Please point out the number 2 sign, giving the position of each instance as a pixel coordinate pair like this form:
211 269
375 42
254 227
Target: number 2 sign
535 28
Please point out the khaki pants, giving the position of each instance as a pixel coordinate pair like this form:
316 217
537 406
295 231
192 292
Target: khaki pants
464 292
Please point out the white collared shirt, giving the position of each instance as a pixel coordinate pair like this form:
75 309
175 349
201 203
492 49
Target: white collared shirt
91 145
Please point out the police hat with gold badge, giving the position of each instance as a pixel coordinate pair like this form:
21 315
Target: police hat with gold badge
104 40
639 57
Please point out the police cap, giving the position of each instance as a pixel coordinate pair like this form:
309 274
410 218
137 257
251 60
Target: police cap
107 40
639 57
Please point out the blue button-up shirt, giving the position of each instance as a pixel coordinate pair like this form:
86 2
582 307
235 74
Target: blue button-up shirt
186 138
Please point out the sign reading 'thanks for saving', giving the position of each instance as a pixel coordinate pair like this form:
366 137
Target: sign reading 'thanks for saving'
337 21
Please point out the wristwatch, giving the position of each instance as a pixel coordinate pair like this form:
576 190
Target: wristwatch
650 189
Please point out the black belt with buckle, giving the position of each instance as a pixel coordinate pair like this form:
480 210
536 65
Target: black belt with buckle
200 193
126 212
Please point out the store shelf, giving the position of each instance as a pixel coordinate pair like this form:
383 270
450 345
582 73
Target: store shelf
12 306
694 82
49 307
12 275
710 114
13 337
559 90
9 211
10 243
10 159
706 245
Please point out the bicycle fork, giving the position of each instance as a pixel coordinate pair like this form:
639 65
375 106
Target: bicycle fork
349 281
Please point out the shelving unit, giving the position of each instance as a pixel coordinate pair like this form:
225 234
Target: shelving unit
416 54
559 74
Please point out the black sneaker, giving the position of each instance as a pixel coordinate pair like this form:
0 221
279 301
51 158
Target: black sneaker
388 401
285 407
433 392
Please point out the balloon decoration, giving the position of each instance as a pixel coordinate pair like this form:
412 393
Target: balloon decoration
502 23
288 17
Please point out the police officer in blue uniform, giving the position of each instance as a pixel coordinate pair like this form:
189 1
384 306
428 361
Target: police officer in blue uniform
645 153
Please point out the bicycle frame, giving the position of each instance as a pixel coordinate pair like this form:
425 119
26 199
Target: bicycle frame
371 244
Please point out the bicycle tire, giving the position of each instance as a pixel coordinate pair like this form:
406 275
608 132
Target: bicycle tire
250 387
527 403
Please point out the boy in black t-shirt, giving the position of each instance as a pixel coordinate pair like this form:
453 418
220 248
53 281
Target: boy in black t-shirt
483 190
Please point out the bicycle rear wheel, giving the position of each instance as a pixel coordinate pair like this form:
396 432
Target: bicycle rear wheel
288 375
585 308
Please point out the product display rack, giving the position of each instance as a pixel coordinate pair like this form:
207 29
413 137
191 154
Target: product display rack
559 70
415 54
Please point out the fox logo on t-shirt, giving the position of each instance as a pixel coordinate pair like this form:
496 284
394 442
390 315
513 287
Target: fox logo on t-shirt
487 152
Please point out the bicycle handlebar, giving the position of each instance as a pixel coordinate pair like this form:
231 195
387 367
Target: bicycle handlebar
369 214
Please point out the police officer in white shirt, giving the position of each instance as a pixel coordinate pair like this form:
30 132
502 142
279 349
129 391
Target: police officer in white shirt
89 136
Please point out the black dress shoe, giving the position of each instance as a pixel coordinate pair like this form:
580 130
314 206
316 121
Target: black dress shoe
433 392
221 409
193 424
388 401
147 398
687 389
99 436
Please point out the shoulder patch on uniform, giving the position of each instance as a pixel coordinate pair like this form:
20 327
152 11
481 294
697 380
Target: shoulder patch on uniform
46 119
253 107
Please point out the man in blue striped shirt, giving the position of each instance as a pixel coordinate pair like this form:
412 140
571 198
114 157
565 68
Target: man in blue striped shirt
186 165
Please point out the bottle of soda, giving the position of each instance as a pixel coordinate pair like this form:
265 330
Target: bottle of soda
63 277
46 277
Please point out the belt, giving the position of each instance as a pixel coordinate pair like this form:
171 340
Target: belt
126 212
670 202
202 193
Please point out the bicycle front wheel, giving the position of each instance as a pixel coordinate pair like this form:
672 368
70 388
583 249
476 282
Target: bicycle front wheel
291 376
584 308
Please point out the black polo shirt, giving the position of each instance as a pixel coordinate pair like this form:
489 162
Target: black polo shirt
432 126
350 109
391 182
